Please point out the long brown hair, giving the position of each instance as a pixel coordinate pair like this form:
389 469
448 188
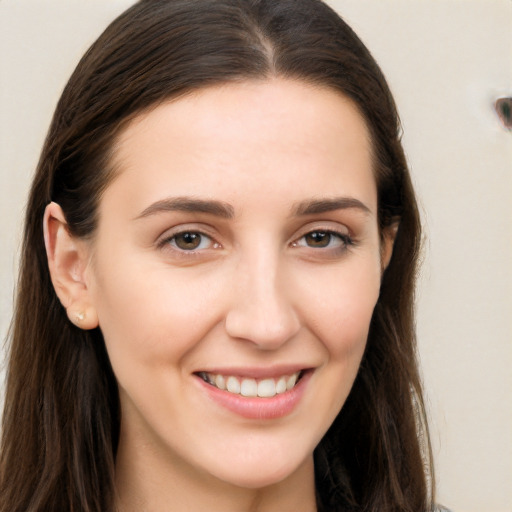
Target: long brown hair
62 413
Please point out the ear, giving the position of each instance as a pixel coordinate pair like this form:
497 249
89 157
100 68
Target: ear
68 258
387 244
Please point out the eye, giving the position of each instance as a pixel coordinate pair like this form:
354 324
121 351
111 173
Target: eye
324 239
191 241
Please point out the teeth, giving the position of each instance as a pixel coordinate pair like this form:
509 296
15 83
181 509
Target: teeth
281 385
233 385
249 387
220 382
265 388
292 380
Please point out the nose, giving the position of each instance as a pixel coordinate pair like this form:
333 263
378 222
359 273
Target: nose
261 311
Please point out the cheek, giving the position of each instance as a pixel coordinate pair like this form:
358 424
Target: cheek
342 310
339 317
150 317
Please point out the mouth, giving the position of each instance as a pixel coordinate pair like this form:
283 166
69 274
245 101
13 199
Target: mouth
250 387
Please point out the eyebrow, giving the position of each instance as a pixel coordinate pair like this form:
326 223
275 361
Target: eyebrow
226 211
189 204
329 205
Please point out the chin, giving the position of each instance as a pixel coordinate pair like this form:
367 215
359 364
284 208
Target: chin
260 474
258 479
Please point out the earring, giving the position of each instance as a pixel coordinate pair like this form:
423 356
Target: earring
85 319
79 317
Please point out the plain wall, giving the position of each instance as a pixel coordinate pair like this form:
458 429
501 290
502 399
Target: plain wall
446 61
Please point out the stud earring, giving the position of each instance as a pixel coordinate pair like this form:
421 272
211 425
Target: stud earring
79 316
85 319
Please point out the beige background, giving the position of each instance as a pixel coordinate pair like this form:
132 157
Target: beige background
447 61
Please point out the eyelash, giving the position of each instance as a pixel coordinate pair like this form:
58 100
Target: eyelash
171 240
345 241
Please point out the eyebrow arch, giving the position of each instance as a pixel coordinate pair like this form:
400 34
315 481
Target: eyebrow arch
329 205
189 204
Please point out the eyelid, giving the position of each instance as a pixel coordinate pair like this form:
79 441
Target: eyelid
328 226
171 233
340 231
202 239
344 237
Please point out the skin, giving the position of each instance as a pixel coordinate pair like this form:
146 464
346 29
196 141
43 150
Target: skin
258 292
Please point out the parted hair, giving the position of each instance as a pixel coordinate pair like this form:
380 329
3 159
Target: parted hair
62 414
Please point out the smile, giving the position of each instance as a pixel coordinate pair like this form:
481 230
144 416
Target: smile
248 387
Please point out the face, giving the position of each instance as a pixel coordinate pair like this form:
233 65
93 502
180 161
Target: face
235 269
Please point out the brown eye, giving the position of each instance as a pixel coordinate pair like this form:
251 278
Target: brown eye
190 241
318 239
324 239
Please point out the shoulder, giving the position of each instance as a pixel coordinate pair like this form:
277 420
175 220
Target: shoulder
440 508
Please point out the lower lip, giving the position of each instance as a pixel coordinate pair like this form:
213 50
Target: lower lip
255 408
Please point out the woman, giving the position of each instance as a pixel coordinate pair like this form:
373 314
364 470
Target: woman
221 305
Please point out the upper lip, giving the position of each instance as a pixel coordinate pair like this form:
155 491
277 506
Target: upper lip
256 372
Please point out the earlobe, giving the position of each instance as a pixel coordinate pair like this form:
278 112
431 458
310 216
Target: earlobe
83 318
67 261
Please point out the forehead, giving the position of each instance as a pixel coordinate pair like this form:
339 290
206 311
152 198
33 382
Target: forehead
255 135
